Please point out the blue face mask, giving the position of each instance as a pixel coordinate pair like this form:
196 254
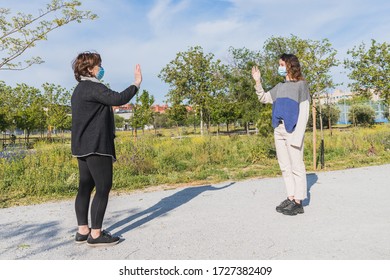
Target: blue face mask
100 73
282 71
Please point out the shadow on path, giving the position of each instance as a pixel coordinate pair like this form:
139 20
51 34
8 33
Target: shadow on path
311 178
163 207
30 240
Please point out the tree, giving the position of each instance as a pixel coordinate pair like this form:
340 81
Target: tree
28 113
330 116
361 114
5 98
119 121
178 114
193 77
193 119
161 120
316 58
241 89
57 107
370 70
143 113
23 31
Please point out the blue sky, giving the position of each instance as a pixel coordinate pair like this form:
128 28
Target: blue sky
151 32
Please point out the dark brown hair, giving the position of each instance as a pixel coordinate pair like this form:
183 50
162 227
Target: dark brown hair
84 62
292 66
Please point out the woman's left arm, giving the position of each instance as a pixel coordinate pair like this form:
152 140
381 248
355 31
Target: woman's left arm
300 128
303 117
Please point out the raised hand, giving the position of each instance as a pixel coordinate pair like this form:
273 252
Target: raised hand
256 74
137 75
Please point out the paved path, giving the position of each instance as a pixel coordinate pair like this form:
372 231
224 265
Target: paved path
347 216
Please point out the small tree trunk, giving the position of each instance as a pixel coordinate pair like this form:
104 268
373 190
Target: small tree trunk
322 150
201 122
314 135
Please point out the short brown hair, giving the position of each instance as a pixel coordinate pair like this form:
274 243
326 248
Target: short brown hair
292 66
84 62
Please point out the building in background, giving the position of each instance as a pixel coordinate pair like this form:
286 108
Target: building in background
341 99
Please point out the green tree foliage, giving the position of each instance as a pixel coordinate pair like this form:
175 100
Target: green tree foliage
21 32
193 77
361 115
143 113
316 58
119 121
242 97
5 100
57 107
370 69
178 114
29 111
193 119
26 108
161 120
330 112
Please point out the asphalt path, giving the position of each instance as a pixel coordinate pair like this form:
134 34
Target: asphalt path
347 217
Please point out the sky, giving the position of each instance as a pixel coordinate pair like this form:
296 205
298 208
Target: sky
152 32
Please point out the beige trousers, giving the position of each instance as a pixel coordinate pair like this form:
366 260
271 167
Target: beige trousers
291 163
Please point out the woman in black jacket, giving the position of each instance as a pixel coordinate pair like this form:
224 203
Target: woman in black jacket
93 133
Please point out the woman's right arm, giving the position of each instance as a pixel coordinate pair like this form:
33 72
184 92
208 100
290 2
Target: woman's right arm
109 97
264 97
112 98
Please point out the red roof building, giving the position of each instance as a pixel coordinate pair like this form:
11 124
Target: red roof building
160 108
123 108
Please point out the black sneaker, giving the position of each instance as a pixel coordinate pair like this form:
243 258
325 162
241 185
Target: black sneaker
105 239
293 209
283 205
81 238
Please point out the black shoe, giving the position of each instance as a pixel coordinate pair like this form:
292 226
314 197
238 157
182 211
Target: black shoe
283 205
293 209
105 239
81 238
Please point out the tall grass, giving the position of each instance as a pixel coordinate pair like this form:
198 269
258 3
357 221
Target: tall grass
49 172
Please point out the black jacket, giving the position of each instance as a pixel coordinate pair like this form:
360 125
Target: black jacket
93 126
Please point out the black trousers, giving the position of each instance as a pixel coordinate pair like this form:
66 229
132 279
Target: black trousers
95 171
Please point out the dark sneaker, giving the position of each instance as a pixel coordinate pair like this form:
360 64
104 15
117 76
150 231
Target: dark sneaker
81 238
105 239
293 209
283 205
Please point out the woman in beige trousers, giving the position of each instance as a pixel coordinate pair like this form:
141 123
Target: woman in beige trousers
290 112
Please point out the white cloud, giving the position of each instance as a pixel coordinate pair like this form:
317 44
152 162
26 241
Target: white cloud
164 11
217 28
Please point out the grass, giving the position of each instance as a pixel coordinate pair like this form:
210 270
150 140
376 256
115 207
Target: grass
48 172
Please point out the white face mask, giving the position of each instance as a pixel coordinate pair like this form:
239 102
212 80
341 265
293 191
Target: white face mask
282 71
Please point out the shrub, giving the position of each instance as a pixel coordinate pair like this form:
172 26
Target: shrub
329 112
361 114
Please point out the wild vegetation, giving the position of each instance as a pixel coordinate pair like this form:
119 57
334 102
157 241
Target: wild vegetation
48 172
